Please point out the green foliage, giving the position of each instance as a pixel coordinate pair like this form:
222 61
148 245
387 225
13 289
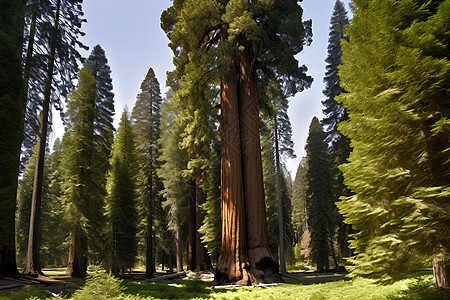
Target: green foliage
84 201
122 199
299 201
99 285
28 292
319 201
396 70
53 231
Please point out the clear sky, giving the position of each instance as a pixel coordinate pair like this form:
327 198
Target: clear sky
129 31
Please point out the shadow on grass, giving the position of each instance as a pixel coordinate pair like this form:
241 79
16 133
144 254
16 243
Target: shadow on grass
422 288
175 289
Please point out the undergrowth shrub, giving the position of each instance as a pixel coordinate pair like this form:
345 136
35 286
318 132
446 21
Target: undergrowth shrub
99 285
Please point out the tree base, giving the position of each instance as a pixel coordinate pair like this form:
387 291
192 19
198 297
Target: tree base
262 268
441 271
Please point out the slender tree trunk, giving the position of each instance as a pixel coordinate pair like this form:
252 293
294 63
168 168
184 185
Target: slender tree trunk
149 262
11 128
263 264
280 203
202 259
233 262
179 245
30 50
77 264
33 263
191 229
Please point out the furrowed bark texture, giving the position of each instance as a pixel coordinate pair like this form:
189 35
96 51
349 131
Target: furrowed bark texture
245 255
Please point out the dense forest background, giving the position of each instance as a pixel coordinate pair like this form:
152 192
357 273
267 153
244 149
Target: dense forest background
196 178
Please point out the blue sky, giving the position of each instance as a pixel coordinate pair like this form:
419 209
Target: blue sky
129 31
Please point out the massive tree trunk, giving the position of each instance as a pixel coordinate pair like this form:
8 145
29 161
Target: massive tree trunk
233 261
263 264
245 255
11 127
77 264
33 262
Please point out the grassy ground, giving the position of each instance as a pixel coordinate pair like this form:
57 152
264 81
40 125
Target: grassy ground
418 286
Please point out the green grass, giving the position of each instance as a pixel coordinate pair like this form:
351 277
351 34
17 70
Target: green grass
419 286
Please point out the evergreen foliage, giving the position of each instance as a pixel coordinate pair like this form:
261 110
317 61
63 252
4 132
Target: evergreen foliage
335 113
146 120
122 199
37 42
396 71
85 206
299 220
319 202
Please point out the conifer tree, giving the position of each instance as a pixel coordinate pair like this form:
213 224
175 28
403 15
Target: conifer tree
335 113
103 139
62 37
247 44
299 221
146 119
319 203
122 212
84 208
176 187
11 127
395 71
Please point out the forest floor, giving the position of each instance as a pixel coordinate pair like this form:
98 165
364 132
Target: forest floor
196 285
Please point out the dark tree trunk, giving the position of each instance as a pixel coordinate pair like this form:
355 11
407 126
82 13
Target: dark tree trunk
33 263
191 229
280 203
150 261
233 262
202 259
179 245
77 264
11 127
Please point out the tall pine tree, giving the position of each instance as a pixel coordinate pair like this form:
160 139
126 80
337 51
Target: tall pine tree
122 211
396 69
85 209
319 202
146 119
335 113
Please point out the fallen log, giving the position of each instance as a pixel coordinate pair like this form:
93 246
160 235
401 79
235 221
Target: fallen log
10 286
167 277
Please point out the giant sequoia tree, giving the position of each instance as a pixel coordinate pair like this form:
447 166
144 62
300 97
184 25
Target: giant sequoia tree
227 43
396 70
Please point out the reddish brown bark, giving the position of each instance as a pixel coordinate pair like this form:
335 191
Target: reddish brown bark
77 263
441 270
233 261
179 245
191 230
262 262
